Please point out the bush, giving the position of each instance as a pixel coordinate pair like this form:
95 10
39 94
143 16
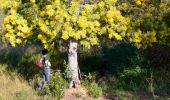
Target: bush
55 89
132 79
94 90
68 72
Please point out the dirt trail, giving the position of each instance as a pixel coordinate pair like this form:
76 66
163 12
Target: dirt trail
78 94
81 94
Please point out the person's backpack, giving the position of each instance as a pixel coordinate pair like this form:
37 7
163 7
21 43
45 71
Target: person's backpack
40 63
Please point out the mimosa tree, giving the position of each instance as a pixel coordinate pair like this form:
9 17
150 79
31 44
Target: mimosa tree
74 21
149 22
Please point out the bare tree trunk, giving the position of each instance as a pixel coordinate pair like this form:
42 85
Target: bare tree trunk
73 64
72 57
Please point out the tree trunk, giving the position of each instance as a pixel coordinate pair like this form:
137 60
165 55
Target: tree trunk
72 57
73 64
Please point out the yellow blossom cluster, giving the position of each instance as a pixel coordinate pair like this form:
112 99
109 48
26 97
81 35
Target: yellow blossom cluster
115 24
139 2
60 19
142 40
17 28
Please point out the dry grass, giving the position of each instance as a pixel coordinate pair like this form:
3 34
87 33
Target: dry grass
15 88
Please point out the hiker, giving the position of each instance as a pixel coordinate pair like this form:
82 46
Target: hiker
45 67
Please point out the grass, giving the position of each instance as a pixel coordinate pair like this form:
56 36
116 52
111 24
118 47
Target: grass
94 90
14 87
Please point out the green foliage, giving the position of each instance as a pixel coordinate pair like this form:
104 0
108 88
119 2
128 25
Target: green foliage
128 69
167 18
132 79
94 90
159 64
68 72
117 58
57 85
87 78
125 69
55 88
134 72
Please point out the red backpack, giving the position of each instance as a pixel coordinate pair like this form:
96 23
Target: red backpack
39 63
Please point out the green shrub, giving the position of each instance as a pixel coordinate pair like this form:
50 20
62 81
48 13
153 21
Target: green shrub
55 89
87 78
94 90
57 85
132 79
68 72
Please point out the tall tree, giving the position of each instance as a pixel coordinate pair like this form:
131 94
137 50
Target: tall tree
149 22
73 21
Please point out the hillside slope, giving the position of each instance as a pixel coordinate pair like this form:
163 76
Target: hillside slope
13 87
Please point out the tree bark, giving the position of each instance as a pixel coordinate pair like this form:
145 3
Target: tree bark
73 64
72 57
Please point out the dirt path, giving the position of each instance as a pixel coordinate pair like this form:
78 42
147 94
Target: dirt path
78 94
81 94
